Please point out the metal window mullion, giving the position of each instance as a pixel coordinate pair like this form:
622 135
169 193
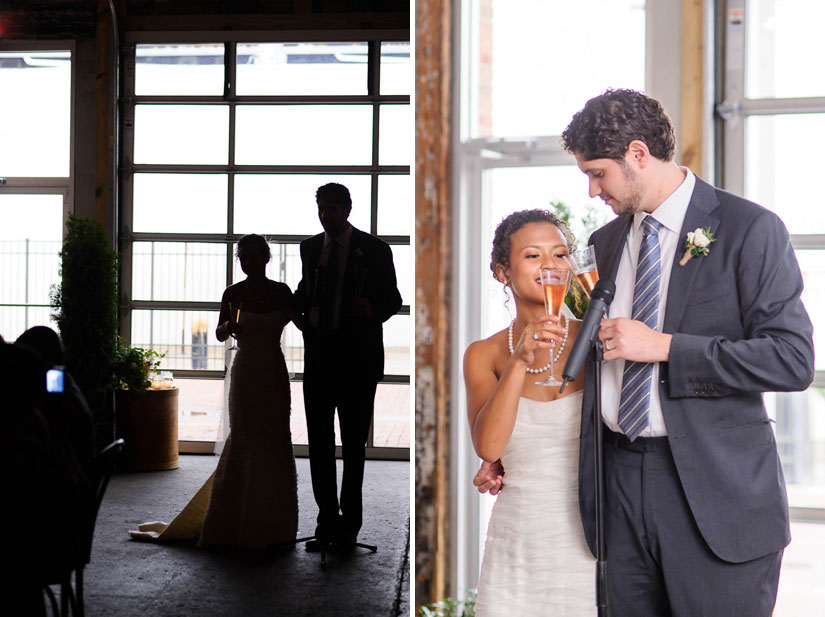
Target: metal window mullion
127 204
400 170
175 305
275 99
733 134
803 105
230 63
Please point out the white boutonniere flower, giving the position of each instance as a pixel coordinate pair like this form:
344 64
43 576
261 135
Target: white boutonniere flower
697 243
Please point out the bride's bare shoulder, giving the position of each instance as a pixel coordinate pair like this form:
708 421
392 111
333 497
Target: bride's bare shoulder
486 350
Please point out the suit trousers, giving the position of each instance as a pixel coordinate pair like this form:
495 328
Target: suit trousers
338 387
658 563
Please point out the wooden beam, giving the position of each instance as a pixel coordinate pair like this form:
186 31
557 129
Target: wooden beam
692 93
432 293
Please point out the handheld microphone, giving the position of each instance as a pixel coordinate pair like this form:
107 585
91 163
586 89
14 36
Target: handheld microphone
600 301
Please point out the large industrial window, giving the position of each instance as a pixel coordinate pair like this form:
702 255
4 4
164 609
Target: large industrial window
36 81
230 137
773 114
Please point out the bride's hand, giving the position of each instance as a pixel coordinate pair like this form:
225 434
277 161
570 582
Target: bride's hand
541 333
490 477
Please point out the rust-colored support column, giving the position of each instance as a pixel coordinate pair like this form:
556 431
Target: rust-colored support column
432 292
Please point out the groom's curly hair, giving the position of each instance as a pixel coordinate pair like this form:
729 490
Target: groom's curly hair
502 239
610 121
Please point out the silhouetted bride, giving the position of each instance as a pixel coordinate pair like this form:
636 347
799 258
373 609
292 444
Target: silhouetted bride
251 499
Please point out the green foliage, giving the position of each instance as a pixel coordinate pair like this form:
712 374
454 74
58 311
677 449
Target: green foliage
85 303
451 608
132 366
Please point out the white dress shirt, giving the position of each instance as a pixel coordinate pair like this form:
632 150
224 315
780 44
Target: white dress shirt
671 214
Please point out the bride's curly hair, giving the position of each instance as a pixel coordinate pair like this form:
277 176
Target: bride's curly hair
515 221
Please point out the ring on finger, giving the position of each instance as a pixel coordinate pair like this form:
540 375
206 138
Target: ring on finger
535 336
607 345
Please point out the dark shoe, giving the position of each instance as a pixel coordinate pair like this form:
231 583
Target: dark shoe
315 546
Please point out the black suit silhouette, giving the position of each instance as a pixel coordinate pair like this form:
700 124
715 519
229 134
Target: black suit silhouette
342 368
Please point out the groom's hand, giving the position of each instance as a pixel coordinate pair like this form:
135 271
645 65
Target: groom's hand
627 339
490 477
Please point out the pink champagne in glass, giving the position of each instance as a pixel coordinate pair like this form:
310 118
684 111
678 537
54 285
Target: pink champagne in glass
554 282
583 263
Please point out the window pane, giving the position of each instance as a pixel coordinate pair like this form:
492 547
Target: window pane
304 135
285 265
812 264
395 205
397 336
391 421
800 435
302 68
395 135
200 405
182 134
783 47
186 337
179 69
778 181
178 271
194 203
396 68
15 320
402 257
31 235
285 204
533 38
35 110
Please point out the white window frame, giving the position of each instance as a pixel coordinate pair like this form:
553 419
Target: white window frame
734 111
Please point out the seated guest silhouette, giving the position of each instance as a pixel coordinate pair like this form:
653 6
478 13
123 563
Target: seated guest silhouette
65 408
348 290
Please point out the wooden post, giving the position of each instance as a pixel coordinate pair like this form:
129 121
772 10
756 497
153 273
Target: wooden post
692 91
432 292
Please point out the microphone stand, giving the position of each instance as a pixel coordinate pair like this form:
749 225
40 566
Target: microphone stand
602 602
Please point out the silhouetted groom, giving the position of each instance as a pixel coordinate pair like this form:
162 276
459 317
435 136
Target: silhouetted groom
348 290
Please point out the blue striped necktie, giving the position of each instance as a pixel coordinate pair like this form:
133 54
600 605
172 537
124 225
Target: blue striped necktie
635 398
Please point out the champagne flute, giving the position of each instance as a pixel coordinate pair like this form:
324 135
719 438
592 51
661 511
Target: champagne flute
234 318
554 282
584 267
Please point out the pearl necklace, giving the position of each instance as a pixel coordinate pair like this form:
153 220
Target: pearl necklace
268 295
536 371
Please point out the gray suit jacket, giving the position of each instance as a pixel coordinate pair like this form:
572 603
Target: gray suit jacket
739 329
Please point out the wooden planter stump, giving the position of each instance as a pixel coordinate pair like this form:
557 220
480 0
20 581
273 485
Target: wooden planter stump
148 423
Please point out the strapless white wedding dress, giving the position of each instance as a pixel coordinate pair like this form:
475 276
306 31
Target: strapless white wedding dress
536 560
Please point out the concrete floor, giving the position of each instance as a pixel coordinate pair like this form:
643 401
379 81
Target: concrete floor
127 578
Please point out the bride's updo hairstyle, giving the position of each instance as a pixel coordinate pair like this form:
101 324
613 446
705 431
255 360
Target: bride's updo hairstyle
254 241
515 221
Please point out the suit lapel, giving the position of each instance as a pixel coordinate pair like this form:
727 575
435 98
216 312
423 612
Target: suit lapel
702 203
609 255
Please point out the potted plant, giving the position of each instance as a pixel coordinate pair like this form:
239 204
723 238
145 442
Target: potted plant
451 608
146 418
85 309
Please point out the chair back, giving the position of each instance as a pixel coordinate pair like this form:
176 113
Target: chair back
104 465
